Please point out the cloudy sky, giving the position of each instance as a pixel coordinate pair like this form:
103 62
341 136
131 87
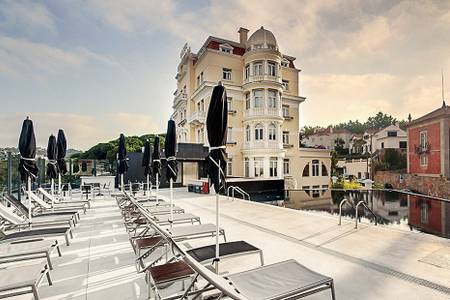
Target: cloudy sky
100 67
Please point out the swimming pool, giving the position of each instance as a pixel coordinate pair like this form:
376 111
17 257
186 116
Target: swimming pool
391 208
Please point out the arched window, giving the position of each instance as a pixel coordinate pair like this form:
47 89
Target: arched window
259 132
315 167
272 131
272 99
247 133
305 172
324 170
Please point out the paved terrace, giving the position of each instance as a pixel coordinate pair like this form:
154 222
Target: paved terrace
372 262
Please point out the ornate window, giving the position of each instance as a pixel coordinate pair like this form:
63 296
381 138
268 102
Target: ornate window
272 131
259 166
315 167
258 68
259 132
271 68
247 133
286 166
285 84
226 74
247 101
247 71
246 167
286 137
273 167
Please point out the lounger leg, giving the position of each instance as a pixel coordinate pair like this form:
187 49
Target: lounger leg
58 248
261 256
224 237
48 278
35 292
71 233
49 262
66 236
333 296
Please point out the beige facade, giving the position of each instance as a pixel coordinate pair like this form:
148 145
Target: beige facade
263 103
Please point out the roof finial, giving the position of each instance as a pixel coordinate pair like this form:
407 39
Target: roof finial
409 118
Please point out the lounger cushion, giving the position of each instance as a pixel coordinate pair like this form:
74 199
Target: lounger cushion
21 275
185 231
273 281
170 271
176 217
209 252
34 232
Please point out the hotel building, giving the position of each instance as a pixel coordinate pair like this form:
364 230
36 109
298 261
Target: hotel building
263 103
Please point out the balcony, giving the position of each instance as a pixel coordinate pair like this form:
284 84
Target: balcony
182 97
263 112
182 122
422 149
264 77
197 118
264 144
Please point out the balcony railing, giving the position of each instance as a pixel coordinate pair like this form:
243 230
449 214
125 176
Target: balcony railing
263 111
179 98
422 149
264 144
264 77
197 117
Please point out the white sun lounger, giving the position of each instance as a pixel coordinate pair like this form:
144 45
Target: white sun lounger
179 233
57 202
177 219
16 221
23 279
29 249
66 232
47 206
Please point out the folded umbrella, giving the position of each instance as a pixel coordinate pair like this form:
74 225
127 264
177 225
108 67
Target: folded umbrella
170 146
216 126
146 163
156 164
61 144
52 164
122 156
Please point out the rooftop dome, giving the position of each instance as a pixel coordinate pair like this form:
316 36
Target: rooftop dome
262 38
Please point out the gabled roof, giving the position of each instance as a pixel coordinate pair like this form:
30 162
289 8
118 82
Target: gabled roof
441 112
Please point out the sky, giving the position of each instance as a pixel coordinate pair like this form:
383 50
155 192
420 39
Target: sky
97 68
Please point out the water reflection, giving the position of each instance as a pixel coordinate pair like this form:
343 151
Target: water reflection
391 208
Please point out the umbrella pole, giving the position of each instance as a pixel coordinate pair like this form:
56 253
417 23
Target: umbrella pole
148 186
121 183
217 223
157 188
52 191
171 203
29 201
59 185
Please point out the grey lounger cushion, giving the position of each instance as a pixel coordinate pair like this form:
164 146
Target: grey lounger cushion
176 218
193 230
35 232
277 281
207 253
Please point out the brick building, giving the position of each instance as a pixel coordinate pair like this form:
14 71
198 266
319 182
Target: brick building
429 170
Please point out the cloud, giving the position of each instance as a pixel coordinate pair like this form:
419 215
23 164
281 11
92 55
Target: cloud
82 130
23 58
27 15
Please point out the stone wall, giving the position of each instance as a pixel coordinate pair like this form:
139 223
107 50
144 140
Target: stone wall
433 186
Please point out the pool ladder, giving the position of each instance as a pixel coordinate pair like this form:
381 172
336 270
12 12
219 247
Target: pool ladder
232 188
361 202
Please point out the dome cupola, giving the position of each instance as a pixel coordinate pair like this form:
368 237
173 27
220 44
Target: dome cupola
262 39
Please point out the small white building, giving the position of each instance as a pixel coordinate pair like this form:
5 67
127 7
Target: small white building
326 138
390 137
358 168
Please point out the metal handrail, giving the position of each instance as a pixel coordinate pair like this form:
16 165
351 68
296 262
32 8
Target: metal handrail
365 205
234 188
242 192
345 200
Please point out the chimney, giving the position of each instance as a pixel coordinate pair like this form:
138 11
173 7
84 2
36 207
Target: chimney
243 35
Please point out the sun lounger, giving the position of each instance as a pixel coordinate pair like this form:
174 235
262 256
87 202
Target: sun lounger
44 205
16 221
36 233
163 210
180 233
57 202
207 254
177 219
29 249
73 215
23 279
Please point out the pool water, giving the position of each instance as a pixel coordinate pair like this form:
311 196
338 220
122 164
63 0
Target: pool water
391 208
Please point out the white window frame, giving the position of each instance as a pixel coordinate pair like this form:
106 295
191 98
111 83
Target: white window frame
258 101
272 132
285 109
247 71
286 166
230 166
259 132
226 73
285 84
248 133
230 135
315 168
226 49
258 68
229 103
247 101
271 68
273 167
246 167
272 98
285 137
423 139
423 160
258 165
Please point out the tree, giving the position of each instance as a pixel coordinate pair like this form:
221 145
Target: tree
339 146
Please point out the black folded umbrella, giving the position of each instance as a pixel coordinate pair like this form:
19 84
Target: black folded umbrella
146 158
216 125
27 149
61 152
52 165
170 146
156 158
122 151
